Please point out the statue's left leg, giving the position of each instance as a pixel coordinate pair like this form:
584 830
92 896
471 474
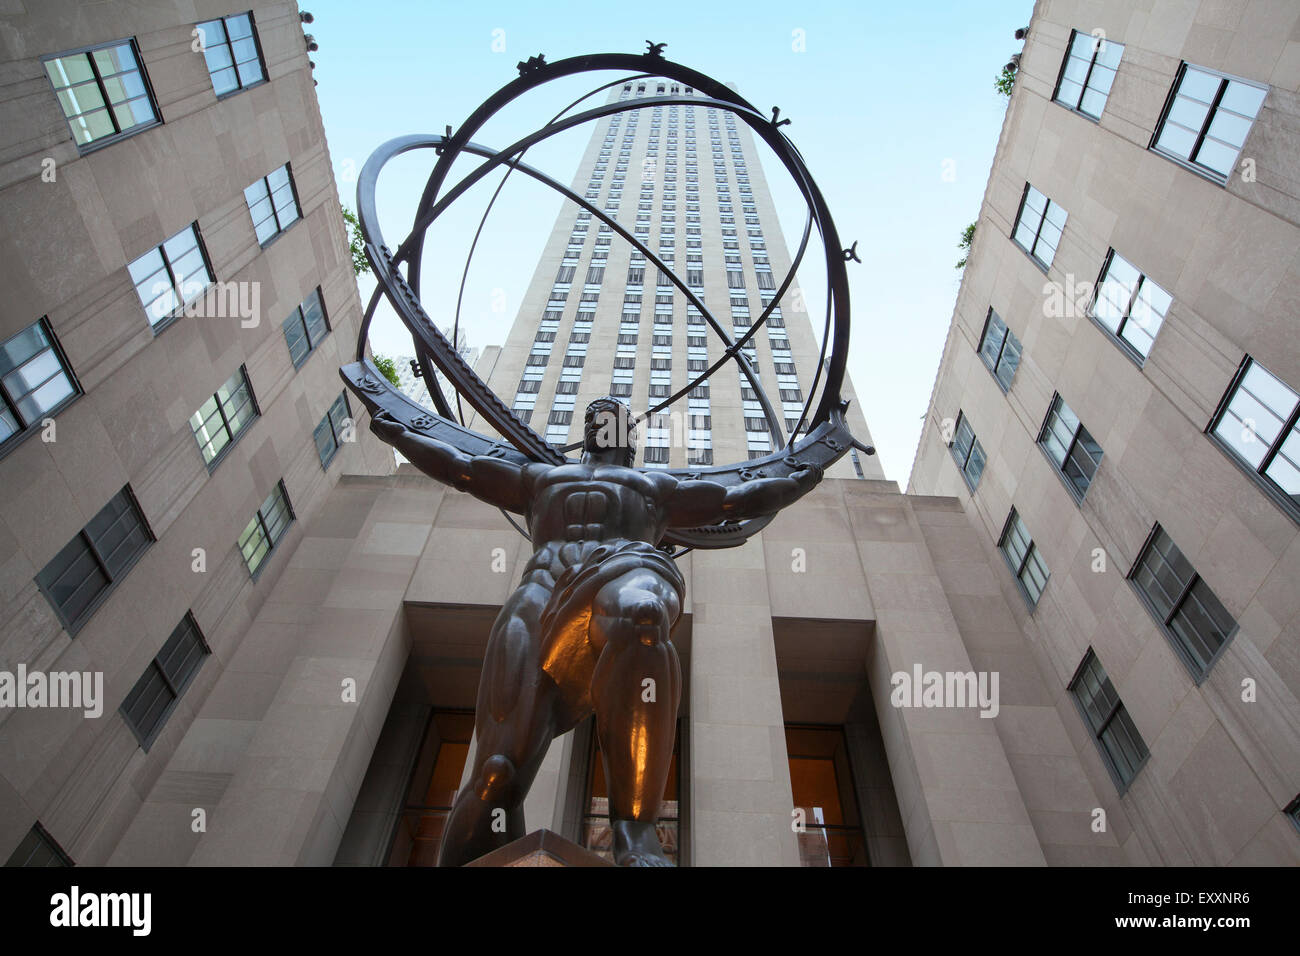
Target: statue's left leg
636 688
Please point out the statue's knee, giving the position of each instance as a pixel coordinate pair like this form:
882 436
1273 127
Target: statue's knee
647 615
496 778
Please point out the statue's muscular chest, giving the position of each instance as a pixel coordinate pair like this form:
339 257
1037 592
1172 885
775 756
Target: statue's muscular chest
587 505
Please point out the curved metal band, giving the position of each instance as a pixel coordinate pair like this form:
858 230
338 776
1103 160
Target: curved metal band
829 437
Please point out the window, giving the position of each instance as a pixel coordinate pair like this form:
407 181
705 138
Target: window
1177 597
965 447
432 790
1292 810
273 204
1039 224
1258 421
1023 558
821 782
230 47
35 381
1073 451
1121 746
332 431
155 694
1206 120
171 275
223 418
1129 306
1087 73
305 327
82 575
38 849
265 529
104 92
1000 350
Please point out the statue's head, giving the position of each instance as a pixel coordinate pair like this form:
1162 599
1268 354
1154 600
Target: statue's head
608 425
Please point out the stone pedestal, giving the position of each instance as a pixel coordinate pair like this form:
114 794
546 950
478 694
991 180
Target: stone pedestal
541 848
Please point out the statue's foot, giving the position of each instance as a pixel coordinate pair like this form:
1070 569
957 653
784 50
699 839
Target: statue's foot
636 844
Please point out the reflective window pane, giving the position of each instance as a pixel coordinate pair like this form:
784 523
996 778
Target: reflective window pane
1259 424
80 82
1208 120
230 49
1113 729
1182 603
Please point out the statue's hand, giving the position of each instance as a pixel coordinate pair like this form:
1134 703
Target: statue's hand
808 477
386 427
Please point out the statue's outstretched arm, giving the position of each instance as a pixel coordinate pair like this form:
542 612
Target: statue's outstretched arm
696 503
499 483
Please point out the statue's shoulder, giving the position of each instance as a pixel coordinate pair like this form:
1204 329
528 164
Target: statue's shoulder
660 481
541 474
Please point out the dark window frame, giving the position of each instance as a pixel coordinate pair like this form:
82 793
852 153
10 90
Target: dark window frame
1206 172
43 840
148 736
74 627
962 462
1292 811
1097 41
257 43
1118 711
1002 348
1265 483
1117 336
120 134
280 230
334 432
9 403
1075 443
168 320
232 437
301 316
261 521
1030 551
1031 251
1197 672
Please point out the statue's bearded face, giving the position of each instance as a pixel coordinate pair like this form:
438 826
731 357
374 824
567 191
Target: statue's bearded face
608 424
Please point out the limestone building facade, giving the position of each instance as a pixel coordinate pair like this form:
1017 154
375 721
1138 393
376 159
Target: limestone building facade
1116 410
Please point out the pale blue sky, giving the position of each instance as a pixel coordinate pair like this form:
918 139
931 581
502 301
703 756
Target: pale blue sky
884 99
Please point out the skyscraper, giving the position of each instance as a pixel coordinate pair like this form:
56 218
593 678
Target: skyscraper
599 318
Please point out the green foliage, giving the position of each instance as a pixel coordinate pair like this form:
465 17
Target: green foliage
967 237
388 368
356 245
1006 79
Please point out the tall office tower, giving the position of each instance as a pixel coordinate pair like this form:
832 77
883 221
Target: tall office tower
178 299
1117 407
416 388
600 319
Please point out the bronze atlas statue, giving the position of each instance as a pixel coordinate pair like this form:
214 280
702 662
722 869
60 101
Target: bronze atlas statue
589 628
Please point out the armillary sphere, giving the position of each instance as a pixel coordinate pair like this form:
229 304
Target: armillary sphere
821 436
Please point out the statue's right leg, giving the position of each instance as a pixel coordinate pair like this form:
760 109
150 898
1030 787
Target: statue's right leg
514 724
